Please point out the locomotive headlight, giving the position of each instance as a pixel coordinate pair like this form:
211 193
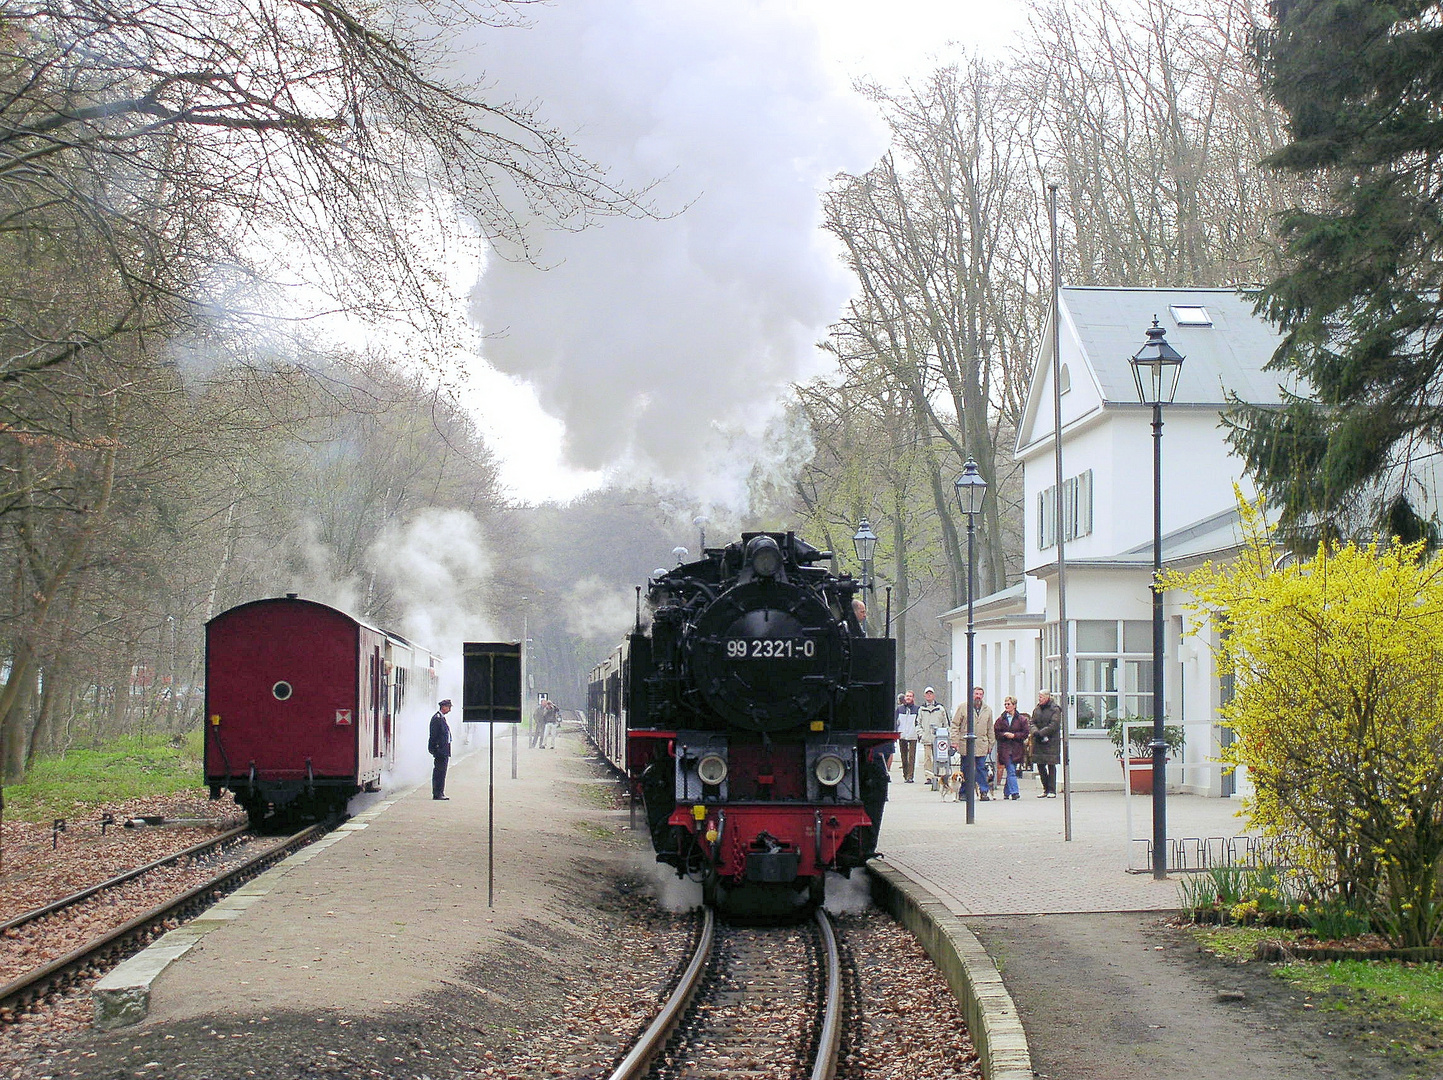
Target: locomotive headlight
830 769
766 556
712 769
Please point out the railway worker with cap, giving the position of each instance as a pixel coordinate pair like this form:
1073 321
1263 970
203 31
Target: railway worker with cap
439 747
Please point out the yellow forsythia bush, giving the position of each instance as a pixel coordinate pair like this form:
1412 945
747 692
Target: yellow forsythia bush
1338 711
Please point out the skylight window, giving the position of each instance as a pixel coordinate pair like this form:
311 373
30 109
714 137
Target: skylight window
1187 315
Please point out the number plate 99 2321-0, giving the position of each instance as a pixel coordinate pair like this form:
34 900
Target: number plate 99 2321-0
771 648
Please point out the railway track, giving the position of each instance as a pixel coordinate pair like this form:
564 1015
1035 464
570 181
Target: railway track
753 1002
195 851
102 952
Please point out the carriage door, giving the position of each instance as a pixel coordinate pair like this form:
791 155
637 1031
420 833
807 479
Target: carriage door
377 681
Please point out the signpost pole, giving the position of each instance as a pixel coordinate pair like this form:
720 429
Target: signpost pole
491 685
491 815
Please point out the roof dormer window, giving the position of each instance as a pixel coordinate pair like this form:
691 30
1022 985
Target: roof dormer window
1190 315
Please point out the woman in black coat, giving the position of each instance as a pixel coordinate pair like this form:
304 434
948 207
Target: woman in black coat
1047 742
1011 728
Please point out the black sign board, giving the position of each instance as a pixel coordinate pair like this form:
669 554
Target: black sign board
491 682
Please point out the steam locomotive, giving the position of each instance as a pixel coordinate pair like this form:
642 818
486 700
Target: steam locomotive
749 717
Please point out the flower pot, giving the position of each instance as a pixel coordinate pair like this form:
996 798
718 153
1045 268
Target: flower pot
1139 771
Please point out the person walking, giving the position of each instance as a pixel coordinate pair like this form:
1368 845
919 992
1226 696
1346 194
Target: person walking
907 729
1011 728
931 715
1047 742
906 719
551 724
439 746
986 735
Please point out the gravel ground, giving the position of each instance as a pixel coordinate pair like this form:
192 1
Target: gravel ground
33 874
909 1026
26 947
558 995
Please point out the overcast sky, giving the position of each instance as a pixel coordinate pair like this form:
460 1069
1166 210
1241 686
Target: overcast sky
647 348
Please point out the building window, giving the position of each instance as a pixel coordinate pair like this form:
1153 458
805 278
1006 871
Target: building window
1190 315
1111 676
1064 379
1076 511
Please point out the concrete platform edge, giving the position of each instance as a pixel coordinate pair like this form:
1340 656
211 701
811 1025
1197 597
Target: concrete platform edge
992 1018
122 996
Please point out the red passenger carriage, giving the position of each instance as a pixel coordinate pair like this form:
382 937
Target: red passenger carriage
302 702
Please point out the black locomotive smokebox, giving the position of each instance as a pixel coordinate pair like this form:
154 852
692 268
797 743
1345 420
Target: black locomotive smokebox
768 656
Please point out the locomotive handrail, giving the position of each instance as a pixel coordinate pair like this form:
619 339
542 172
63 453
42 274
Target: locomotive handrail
635 1063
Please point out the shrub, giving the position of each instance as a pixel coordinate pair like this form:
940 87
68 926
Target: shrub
1338 710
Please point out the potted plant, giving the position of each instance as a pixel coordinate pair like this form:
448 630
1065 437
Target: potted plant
1139 749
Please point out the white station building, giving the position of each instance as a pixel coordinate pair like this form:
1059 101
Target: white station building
1107 526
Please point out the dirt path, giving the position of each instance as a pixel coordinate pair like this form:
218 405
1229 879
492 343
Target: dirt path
1125 997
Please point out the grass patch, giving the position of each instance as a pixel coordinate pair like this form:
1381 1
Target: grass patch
133 767
1396 1006
1412 992
1237 942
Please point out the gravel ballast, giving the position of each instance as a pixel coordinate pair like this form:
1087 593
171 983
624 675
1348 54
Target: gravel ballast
430 983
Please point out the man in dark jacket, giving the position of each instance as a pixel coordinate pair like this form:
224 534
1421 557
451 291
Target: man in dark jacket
1047 742
439 747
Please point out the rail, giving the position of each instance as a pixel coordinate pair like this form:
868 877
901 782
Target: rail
639 1059
636 1062
830 1040
59 973
120 879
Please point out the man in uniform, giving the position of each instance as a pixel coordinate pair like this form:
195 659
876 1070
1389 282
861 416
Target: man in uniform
439 747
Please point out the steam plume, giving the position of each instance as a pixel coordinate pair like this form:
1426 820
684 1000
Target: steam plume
654 340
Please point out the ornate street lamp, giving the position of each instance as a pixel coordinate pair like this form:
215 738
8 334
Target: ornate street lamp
970 490
1155 369
864 542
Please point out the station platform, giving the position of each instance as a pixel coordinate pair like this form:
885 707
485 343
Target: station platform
1014 858
399 901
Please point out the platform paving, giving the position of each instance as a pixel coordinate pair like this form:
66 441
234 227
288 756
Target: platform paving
1015 860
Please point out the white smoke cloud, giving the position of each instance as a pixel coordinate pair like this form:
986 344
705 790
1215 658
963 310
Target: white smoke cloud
675 894
316 578
437 562
596 609
655 340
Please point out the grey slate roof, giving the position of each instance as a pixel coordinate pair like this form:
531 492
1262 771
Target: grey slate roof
1228 355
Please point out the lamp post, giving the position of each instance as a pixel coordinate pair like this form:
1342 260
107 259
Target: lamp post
680 554
1155 369
970 490
864 542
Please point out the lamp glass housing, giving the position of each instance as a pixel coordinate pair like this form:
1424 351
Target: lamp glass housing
1156 368
865 541
971 489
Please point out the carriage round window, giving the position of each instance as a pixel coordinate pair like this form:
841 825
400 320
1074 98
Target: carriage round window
282 690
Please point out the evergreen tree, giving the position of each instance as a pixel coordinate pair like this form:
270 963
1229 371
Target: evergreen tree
1361 83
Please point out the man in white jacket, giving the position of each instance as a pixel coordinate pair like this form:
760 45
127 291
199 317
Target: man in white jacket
931 716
